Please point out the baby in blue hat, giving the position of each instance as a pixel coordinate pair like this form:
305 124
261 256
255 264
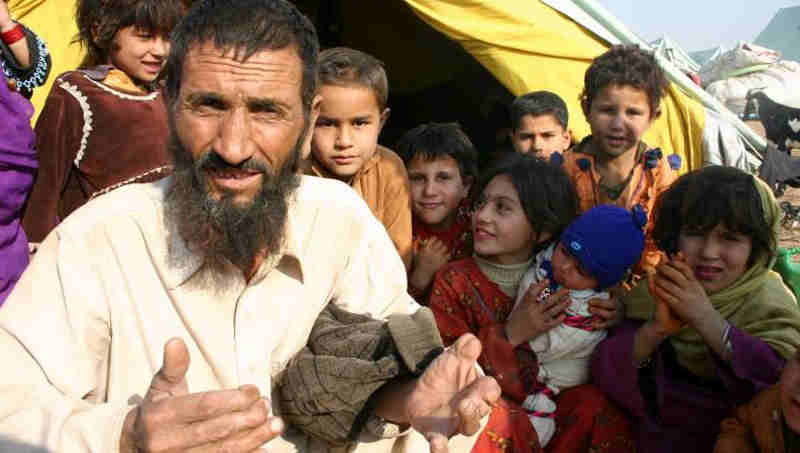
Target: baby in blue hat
594 253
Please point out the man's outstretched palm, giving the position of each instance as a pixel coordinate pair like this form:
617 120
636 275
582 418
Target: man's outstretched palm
451 397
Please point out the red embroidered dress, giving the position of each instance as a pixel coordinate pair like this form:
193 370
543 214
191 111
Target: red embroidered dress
464 300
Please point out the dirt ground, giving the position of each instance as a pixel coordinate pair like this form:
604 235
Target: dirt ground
790 238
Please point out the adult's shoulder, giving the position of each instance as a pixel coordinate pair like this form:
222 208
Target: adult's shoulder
329 198
139 203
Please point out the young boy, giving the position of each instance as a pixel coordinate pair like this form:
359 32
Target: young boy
539 124
442 166
768 423
621 99
354 91
594 253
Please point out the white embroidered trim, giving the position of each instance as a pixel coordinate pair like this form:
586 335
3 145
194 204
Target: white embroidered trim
119 94
87 118
154 171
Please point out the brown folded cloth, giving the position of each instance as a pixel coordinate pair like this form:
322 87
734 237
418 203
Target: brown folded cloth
326 388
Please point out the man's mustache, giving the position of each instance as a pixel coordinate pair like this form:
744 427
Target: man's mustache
213 161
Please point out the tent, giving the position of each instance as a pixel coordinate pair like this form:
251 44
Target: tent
452 60
671 51
702 57
783 33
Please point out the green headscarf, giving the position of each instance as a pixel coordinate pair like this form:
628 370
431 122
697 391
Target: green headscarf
758 303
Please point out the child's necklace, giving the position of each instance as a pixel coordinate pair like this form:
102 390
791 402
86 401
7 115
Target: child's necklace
614 192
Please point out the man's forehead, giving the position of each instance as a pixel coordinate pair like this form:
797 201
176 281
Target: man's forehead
282 65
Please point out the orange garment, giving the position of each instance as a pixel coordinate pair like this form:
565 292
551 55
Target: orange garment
383 183
652 174
755 427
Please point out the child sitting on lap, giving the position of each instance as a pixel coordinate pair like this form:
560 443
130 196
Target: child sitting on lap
594 253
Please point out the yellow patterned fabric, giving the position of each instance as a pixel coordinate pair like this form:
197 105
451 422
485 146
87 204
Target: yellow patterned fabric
529 46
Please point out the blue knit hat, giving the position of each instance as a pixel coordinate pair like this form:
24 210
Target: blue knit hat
607 240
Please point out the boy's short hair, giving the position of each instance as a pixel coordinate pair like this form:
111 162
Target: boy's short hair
433 141
700 200
539 103
99 21
625 65
545 192
344 66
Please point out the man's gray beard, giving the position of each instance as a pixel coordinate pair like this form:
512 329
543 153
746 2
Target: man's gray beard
220 231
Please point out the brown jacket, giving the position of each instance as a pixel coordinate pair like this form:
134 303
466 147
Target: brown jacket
383 184
755 427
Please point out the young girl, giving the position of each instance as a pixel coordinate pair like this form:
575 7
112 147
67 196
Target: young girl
442 167
594 253
523 204
714 326
24 58
104 125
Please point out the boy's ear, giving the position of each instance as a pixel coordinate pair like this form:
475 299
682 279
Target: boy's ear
656 115
305 151
385 116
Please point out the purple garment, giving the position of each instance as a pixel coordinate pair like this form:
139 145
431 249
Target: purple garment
17 170
686 413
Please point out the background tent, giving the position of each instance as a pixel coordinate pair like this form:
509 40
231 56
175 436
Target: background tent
451 60
54 22
783 33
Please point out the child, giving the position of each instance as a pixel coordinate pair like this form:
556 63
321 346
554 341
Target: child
442 166
594 253
539 124
768 423
104 125
354 92
24 58
621 97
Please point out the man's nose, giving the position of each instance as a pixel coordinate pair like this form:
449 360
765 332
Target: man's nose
234 144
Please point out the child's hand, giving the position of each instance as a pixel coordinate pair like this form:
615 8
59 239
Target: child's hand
429 256
666 318
676 285
532 318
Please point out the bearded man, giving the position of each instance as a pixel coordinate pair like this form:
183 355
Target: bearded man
228 262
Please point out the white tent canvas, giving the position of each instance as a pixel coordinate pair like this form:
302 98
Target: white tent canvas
783 33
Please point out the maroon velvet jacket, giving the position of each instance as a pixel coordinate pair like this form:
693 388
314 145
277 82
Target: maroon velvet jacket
93 136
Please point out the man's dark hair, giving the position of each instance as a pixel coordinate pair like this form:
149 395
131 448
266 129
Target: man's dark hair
433 141
343 66
245 27
625 65
545 192
716 195
539 103
99 21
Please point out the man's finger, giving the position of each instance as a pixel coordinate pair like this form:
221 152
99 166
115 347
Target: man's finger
246 441
438 442
477 401
170 380
468 347
197 407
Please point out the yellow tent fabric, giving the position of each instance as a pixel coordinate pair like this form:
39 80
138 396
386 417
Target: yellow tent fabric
54 22
529 46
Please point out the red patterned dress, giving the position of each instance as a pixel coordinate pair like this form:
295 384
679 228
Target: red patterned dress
464 300
457 238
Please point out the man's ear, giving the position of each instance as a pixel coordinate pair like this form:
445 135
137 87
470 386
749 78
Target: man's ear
384 117
313 114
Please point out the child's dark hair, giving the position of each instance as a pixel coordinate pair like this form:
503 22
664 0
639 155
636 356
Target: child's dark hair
100 20
701 200
344 66
539 103
545 192
432 141
625 65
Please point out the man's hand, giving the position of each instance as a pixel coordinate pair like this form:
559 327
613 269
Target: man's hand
170 419
450 397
